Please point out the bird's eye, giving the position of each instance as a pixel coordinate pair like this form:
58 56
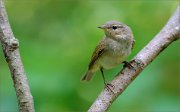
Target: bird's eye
114 27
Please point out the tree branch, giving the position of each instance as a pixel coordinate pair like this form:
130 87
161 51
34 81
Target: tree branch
11 52
164 38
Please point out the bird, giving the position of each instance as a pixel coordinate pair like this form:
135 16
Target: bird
112 50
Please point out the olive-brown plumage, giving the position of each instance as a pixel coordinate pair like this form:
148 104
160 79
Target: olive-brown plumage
112 50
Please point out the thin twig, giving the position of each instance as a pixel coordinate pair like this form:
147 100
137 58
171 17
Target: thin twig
163 39
11 52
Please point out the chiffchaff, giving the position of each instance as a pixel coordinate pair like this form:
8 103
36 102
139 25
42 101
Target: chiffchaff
112 50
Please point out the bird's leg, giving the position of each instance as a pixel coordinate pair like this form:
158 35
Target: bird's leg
128 65
105 82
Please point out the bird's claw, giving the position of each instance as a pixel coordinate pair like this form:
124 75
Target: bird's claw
128 65
109 86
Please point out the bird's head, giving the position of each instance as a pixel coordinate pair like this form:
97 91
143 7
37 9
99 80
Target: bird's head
115 29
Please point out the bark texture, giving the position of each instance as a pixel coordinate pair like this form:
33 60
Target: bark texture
10 48
169 33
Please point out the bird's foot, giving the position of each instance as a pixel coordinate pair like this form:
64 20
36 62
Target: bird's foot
109 86
128 65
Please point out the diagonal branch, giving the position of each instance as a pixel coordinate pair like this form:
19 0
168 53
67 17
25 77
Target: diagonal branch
11 52
163 39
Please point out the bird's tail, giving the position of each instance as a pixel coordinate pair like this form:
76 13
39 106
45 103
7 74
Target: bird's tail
87 76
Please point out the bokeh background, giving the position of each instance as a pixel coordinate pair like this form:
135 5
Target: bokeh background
57 38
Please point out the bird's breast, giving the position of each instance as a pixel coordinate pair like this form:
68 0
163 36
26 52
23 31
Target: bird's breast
114 54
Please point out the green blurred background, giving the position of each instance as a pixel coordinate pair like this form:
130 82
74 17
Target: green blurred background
57 39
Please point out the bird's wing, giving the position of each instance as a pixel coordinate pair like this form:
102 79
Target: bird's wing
99 50
133 44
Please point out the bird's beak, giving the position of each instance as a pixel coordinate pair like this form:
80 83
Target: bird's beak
102 27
